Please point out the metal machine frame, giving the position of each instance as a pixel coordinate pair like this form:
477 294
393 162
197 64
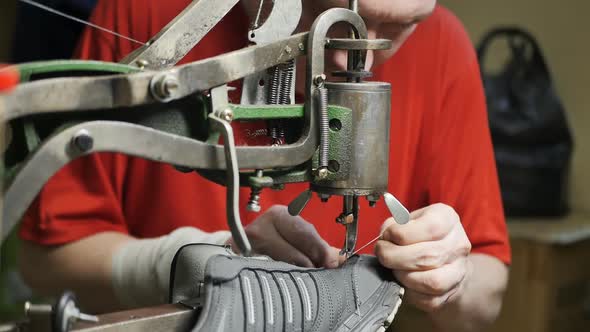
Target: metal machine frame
147 78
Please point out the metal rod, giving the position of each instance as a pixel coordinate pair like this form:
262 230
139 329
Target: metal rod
353 5
233 187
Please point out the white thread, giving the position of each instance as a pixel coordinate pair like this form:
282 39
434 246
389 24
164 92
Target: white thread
269 304
288 295
306 298
251 314
366 245
73 18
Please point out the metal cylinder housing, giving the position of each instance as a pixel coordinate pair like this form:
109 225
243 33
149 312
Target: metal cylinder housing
368 146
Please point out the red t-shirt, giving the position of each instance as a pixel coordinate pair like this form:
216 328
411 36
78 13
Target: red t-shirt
440 146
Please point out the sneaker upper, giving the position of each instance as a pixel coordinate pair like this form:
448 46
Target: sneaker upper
252 294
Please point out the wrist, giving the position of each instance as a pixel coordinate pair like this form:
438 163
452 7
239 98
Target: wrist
455 303
141 268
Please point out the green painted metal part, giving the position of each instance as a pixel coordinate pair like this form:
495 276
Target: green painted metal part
27 70
267 112
339 143
171 120
339 153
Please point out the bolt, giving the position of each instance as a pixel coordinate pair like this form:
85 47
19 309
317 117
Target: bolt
319 79
37 308
373 200
226 114
322 173
165 88
288 49
253 206
83 141
301 47
254 200
170 86
141 64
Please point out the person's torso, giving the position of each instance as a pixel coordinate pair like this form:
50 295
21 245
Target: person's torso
159 199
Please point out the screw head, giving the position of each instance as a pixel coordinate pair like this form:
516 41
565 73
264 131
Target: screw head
141 64
253 207
322 173
170 86
226 114
164 88
301 47
319 79
288 49
83 141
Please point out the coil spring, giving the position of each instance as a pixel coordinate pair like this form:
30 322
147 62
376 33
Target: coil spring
254 200
324 126
287 74
274 86
279 93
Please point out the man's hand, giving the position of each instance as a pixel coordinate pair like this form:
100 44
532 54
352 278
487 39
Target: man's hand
290 239
429 256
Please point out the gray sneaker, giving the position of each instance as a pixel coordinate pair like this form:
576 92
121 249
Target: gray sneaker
254 294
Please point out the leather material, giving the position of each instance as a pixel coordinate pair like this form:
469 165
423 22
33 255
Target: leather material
187 274
254 294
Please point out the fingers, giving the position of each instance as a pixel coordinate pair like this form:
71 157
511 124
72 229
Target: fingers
428 303
266 240
430 224
277 248
303 236
285 252
434 282
426 255
417 257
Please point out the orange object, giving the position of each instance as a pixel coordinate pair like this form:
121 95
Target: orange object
440 148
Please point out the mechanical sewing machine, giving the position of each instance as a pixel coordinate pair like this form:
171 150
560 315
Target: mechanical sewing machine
149 108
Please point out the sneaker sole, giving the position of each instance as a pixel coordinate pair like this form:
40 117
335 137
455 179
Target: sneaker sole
389 320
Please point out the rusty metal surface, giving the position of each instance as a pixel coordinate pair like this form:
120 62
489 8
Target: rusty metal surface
177 38
107 92
171 317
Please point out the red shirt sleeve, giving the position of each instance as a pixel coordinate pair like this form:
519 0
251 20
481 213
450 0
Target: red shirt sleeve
68 208
462 170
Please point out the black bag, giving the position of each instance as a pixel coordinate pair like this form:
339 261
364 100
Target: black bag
532 141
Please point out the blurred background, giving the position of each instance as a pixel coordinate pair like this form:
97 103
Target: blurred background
550 278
